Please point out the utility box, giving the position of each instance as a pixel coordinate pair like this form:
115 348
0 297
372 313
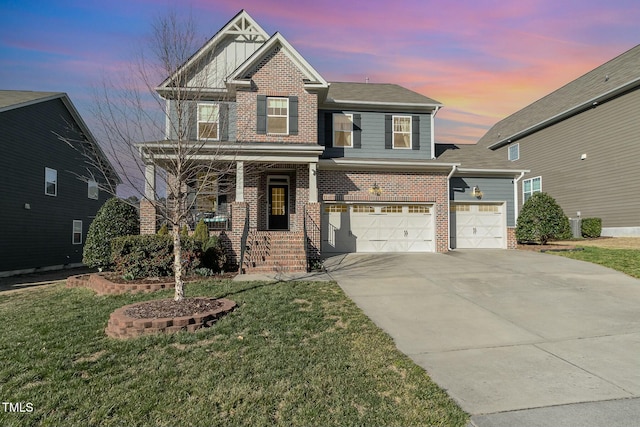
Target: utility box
576 227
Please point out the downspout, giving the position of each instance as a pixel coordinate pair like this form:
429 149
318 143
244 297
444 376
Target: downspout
515 196
453 170
433 134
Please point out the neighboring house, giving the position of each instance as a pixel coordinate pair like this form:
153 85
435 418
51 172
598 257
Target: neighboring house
581 144
341 167
45 208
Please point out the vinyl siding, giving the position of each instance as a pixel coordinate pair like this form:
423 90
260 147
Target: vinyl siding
190 120
605 183
373 138
493 190
41 236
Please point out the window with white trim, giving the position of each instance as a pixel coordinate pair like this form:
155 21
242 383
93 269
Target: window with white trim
77 232
514 152
402 132
278 116
342 130
208 121
531 186
335 208
92 189
50 182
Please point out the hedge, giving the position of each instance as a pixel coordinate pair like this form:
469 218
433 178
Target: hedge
591 227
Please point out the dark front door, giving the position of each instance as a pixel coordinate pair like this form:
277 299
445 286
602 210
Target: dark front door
278 207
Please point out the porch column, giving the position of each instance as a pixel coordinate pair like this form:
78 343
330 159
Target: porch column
147 207
313 183
240 182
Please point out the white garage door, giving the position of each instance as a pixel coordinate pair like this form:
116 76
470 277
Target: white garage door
478 226
377 228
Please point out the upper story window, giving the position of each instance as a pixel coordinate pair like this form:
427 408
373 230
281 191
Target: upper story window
76 234
208 121
50 182
342 130
278 115
92 189
514 152
531 186
402 132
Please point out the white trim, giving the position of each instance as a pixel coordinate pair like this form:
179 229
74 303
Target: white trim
95 187
47 181
515 197
393 132
381 103
286 116
524 196
515 146
375 164
74 231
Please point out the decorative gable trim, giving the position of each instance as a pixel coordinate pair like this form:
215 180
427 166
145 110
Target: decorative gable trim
242 75
240 25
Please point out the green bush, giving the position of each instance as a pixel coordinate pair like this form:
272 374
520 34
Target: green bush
591 227
164 230
213 255
184 231
542 219
114 219
151 255
201 232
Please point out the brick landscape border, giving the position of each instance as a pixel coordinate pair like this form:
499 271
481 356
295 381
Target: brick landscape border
123 326
104 286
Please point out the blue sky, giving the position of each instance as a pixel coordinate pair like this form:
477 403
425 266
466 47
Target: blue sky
483 59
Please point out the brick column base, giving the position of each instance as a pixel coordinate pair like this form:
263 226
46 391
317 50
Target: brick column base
147 217
312 232
512 243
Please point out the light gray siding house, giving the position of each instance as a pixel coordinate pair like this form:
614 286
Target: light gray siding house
45 208
581 144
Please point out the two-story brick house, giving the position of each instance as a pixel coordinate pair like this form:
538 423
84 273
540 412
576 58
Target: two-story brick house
335 167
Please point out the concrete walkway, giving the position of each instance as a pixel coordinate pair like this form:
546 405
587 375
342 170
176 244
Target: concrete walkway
515 337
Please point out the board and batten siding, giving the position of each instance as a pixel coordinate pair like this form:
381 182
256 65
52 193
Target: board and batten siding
372 126
605 184
494 189
42 235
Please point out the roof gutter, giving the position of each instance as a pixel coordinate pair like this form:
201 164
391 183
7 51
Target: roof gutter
453 170
591 103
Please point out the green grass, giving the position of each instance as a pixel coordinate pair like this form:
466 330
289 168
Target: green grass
291 354
624 260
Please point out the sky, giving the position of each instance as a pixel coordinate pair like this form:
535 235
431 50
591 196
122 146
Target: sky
482 59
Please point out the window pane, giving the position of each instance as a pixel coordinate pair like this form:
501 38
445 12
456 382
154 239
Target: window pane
207 112
208 130
401 140
92 190
536 182
343 139
51 181
527 185
77 232
276 124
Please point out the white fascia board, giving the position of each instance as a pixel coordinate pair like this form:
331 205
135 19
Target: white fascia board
347 164
241 157
382 103
471 171
591 103
300 62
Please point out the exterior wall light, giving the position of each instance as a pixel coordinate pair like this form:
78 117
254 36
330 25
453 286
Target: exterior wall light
475 192
375 190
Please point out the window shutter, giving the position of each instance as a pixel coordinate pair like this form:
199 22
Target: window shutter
415 132
388 132
293 115
261 125
328 130
357 131
223 122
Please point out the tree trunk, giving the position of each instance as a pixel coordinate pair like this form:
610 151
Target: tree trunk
177 264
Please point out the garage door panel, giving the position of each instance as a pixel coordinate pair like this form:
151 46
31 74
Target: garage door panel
478 226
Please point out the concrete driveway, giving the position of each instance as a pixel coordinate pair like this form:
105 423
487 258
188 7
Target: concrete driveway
506 332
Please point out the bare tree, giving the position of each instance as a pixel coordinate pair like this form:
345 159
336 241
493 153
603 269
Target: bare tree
141 126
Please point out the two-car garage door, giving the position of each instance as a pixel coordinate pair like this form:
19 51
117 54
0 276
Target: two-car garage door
377 228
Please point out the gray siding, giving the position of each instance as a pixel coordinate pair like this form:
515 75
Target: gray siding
41 236
189 122
372 137
607 182
493 190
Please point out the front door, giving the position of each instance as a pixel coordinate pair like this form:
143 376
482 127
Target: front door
278 209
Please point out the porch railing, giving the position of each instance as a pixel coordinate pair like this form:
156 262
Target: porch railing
312 238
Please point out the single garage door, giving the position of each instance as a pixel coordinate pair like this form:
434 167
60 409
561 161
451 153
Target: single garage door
478 226
377 228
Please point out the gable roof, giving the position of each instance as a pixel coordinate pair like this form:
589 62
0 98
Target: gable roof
13 99
241 24
615 77
242 75
376 94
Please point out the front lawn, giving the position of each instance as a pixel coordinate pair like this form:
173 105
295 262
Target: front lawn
291 354
624 260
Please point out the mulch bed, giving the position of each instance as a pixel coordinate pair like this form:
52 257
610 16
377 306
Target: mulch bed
171 308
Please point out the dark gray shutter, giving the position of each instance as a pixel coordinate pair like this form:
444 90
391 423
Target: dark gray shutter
357 131
415 132
328 130
223 122
293 115
261 125
388 132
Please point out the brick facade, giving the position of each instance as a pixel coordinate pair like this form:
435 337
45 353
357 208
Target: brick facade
148 222
277 75
395 187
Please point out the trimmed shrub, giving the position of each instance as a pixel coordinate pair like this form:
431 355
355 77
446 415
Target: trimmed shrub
541 220
213 255
151 255
164 230
114 219
201 232
591 227
184 231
